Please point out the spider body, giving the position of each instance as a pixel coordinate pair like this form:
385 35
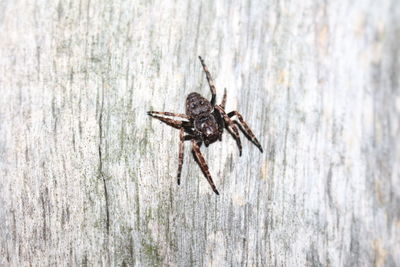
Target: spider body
204 123
207 128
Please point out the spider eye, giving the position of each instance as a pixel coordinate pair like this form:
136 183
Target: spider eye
192 105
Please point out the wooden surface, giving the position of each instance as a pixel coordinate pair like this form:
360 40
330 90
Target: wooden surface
87 178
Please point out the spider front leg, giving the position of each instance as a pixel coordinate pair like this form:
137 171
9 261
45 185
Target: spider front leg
234 129
210 81
171 114
174 123
203 165
247 131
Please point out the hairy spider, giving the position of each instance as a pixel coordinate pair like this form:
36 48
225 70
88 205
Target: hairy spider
205 122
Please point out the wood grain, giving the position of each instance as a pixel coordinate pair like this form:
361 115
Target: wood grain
87 178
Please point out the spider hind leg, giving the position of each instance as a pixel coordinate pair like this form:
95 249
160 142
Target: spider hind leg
231 127
203 165
244 127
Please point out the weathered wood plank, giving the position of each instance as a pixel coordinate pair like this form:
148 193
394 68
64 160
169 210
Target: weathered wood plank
88 178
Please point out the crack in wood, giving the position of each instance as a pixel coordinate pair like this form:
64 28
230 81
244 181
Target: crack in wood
100 171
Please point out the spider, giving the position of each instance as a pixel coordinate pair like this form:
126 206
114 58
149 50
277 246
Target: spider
204 122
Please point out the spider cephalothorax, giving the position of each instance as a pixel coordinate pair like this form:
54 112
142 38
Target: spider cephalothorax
205 122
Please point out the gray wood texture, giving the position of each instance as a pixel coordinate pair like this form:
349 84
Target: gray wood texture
87 178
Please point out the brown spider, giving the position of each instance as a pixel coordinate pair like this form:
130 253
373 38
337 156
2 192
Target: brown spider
205 122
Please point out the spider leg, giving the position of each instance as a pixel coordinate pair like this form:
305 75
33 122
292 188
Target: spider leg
174 123
245 129
223 100
210 81
234 129
181 149
203 165
182 139
171 114
221 123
